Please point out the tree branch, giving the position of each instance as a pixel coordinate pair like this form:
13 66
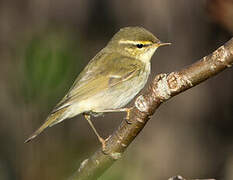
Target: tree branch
178 177
162 88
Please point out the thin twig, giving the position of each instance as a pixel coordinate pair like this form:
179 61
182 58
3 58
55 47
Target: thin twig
162 88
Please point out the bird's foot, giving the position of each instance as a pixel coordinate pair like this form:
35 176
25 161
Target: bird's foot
103 142
128 115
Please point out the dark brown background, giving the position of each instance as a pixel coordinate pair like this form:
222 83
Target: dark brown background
44 44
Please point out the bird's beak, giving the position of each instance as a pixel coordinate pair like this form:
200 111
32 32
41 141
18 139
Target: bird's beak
163 44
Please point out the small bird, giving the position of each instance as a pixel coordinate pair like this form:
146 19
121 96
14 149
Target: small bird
110 80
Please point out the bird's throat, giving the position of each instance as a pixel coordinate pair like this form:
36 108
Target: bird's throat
146 57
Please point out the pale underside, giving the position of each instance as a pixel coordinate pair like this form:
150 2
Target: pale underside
109 81
105 85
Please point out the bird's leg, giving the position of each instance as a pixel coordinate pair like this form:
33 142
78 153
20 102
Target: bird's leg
127 110
102 141
127 115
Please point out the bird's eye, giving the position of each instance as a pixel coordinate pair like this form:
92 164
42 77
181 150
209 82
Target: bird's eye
139 46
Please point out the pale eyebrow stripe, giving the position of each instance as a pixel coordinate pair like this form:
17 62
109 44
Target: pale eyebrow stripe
122 41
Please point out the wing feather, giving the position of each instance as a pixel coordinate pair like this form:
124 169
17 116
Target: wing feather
106 72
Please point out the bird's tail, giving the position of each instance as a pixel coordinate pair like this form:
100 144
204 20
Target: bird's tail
53 119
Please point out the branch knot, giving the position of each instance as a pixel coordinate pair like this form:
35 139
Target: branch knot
141 104
176 82
161 88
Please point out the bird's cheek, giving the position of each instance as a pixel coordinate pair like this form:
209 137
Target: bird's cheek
131 51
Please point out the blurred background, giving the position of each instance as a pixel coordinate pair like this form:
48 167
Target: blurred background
44 44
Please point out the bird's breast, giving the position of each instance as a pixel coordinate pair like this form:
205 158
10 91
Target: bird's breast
122 94
117 96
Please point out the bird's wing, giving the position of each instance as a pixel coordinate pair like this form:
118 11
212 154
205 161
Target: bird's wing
99 75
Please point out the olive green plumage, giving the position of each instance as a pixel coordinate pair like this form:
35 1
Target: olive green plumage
111 79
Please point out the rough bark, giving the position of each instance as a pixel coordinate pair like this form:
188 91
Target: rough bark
163 87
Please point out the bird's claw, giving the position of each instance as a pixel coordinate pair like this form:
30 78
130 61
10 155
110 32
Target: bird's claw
127 120
128 116
103 142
